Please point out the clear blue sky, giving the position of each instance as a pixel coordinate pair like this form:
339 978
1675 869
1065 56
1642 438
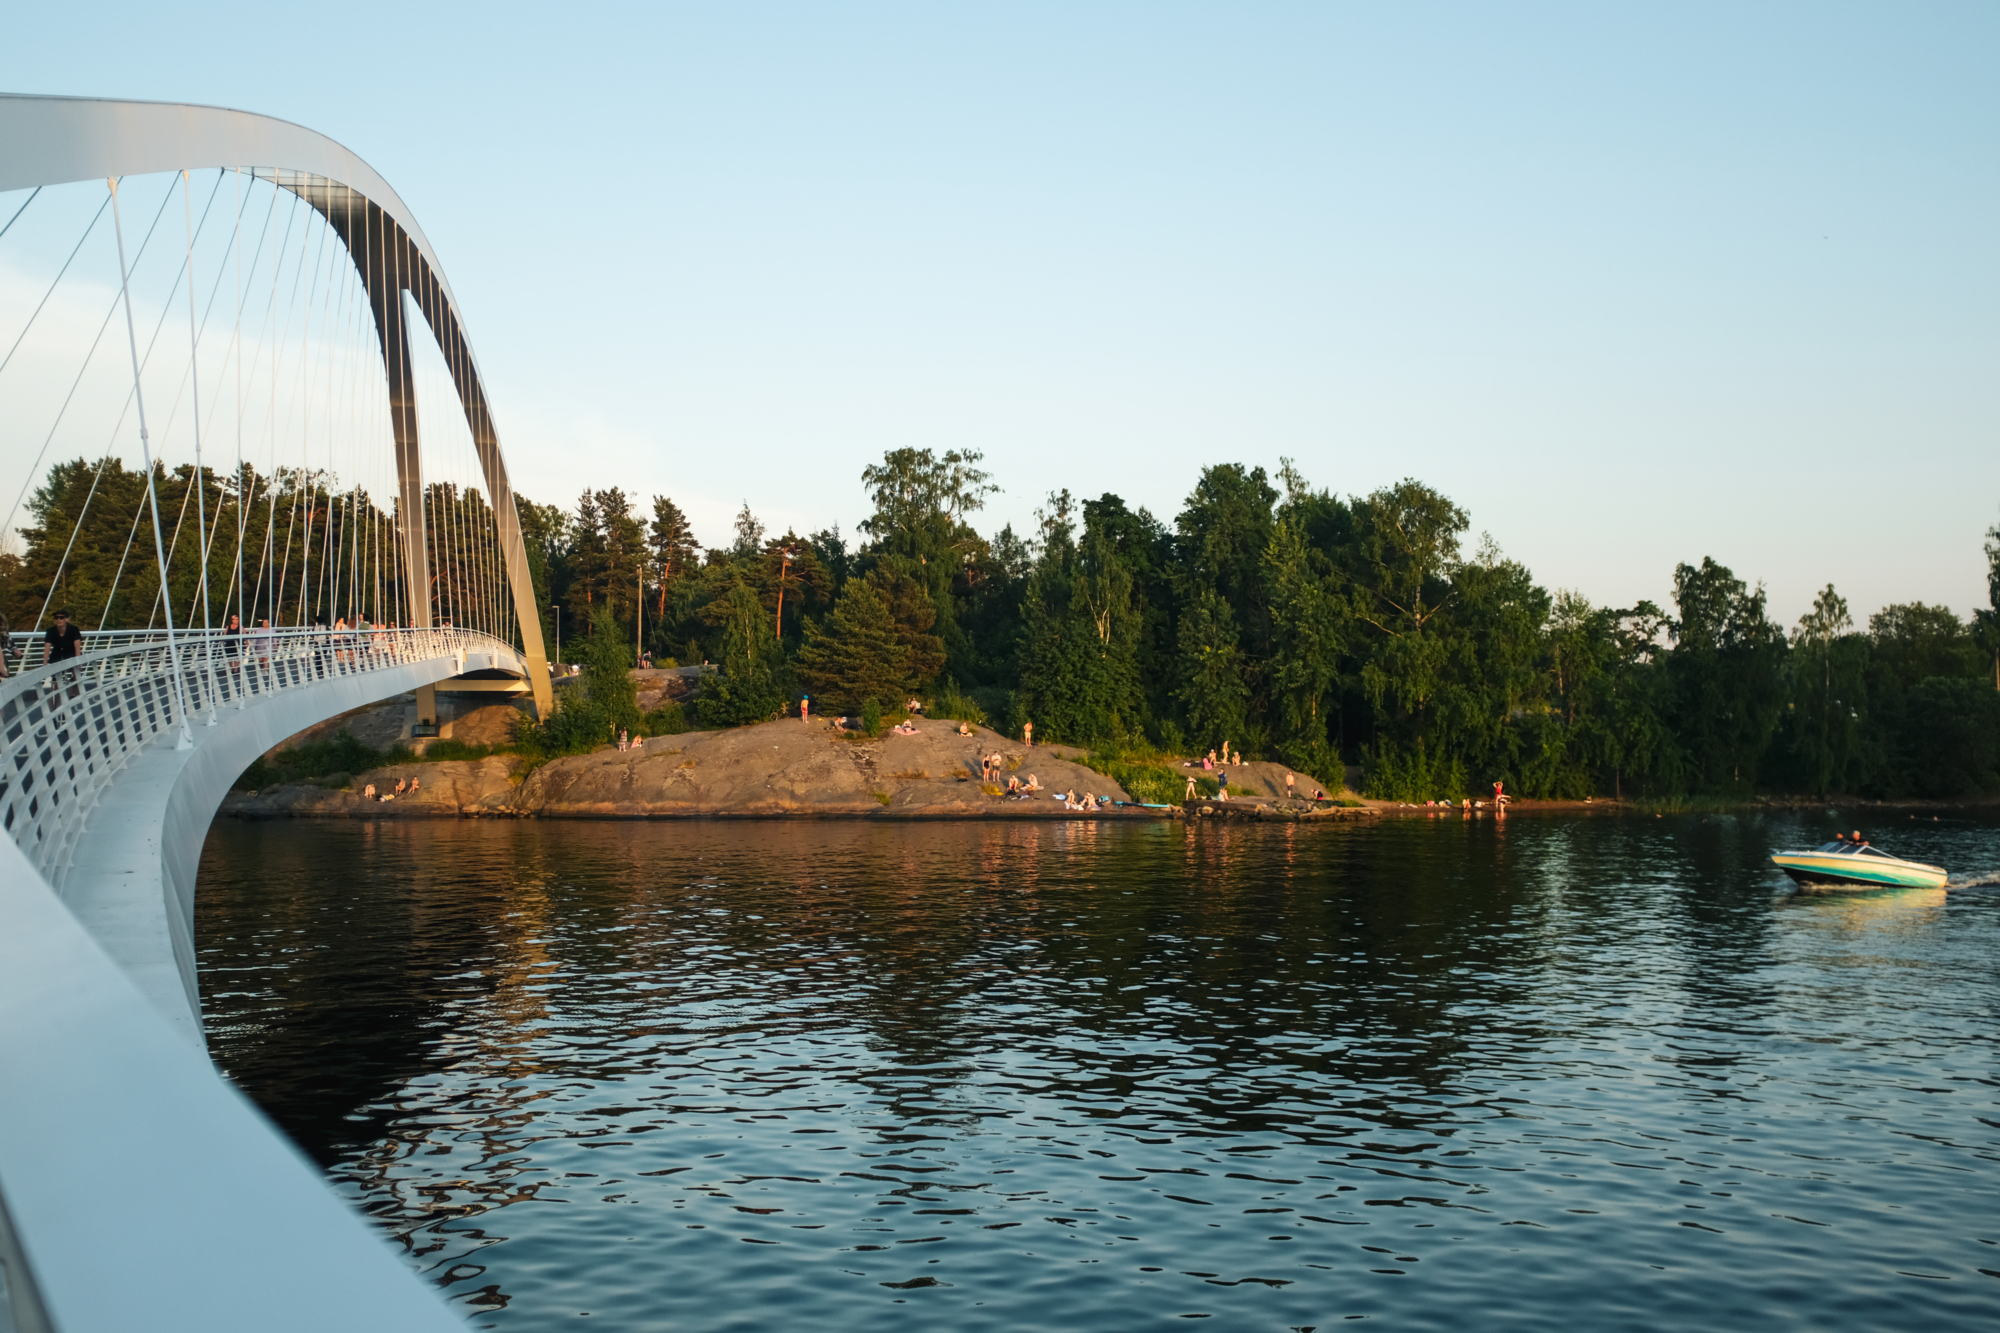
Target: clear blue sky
1633 284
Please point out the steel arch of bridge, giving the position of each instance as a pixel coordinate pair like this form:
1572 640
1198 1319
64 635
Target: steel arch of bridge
62 140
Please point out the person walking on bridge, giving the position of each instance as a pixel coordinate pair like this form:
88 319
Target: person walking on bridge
62 640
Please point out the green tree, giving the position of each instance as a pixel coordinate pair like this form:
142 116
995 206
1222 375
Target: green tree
672 549
921 503
1311 629
1213 691
1726 677
857 653
1828 689
1078 658
1404 544
1221 536
752 684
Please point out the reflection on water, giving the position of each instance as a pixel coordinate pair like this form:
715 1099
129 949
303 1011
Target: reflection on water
1441 1073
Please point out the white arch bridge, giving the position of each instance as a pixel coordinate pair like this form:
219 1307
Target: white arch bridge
137 1189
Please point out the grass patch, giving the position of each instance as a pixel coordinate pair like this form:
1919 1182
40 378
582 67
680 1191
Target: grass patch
1148 776
881 797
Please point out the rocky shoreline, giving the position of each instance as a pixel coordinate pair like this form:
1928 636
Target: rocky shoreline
784 769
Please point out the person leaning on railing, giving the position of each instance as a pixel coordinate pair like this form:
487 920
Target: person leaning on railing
62 640
6 643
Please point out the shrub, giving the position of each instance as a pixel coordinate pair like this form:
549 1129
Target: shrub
669 719
998 705
955 705
590 713
871 718
340 753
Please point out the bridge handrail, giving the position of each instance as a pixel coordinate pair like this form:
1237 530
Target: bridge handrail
68 727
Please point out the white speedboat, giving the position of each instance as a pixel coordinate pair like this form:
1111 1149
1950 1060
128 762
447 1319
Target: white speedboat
1855 866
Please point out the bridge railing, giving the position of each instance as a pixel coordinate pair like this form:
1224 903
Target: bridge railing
68 727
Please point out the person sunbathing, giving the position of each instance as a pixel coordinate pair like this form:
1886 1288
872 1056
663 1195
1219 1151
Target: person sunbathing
1032 784
1013 785
965 728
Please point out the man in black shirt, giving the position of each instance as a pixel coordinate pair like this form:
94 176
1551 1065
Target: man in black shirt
61 641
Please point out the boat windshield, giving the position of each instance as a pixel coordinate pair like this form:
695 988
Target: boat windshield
1851 849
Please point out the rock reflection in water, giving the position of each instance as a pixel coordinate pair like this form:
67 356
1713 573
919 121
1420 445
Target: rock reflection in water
1071 1076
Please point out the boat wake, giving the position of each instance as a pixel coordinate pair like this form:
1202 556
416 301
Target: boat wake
1986 879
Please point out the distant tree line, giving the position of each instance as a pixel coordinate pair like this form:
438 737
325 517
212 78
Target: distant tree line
1296 624
1299 626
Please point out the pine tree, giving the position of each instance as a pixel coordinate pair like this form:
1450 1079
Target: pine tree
673 547
857 654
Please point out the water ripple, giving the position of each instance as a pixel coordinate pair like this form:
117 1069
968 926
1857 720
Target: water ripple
718 1076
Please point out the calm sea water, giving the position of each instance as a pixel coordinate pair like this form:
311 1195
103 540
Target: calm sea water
1597 1072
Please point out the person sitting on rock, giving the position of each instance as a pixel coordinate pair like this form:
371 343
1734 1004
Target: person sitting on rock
368 792
1013 785
414 784
402 785
1032 784
965 728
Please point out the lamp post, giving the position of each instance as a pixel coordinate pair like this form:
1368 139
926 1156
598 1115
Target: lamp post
557 608
778 622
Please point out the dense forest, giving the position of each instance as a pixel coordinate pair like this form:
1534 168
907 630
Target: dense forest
1294 623
1298 625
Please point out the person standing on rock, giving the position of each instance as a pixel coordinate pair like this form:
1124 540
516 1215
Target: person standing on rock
1028 734
805 708
1288 786
1190 790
